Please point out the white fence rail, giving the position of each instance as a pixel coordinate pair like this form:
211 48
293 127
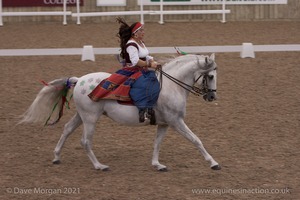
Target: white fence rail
153 50
140 12
223 11
160 12
212 2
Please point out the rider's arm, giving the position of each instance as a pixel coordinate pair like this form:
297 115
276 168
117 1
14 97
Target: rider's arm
136 61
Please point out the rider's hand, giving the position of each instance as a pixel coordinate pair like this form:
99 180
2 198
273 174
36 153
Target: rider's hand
153 64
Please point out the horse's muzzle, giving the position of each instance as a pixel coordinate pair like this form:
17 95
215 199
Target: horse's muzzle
210 96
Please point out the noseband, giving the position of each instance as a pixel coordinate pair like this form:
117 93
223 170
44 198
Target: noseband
204 86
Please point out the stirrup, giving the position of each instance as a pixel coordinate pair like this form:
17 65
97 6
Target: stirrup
142 116
151 114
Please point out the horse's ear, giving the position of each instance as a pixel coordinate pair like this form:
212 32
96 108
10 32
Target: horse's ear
212 56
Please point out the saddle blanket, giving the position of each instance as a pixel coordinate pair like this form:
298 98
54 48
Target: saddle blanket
117 86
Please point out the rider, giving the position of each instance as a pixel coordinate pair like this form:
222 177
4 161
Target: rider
142 81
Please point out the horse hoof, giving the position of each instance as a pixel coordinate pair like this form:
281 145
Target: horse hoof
163 169
56 162
216 167
105 169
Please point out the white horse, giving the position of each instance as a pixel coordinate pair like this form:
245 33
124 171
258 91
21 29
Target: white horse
184 72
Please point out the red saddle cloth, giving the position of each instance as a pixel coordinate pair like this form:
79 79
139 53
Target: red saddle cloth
117 86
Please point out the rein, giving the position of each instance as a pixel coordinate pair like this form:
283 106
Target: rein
192 89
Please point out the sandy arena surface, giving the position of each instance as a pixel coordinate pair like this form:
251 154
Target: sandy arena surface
252 130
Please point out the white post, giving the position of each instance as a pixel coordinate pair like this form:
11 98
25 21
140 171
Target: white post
142 11
65 14
1 22
223 13
161 12
78 11
88 53
247 51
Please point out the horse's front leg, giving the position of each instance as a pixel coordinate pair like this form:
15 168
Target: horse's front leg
182 128
161 132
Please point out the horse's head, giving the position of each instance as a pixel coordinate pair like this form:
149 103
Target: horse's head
207 78
202 80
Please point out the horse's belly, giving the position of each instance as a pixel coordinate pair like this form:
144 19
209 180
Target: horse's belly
123 114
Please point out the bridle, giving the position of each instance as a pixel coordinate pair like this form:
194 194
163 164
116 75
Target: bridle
192 89
204 88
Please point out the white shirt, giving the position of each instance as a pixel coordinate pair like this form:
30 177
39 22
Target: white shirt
135 54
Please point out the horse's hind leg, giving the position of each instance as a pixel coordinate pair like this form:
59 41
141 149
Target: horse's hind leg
74 123
89 129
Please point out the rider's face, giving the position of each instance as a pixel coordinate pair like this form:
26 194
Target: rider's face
140 33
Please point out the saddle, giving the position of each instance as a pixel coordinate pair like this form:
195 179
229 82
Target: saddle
119 86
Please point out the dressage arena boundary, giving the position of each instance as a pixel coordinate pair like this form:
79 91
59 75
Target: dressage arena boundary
88 52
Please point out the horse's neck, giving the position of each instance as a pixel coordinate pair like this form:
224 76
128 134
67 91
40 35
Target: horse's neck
182 69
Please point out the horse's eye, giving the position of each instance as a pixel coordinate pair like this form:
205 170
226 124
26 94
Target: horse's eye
210 76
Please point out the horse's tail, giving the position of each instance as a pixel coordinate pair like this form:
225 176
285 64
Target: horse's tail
49 101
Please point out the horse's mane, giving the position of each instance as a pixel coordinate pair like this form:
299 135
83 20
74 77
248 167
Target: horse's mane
182 58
